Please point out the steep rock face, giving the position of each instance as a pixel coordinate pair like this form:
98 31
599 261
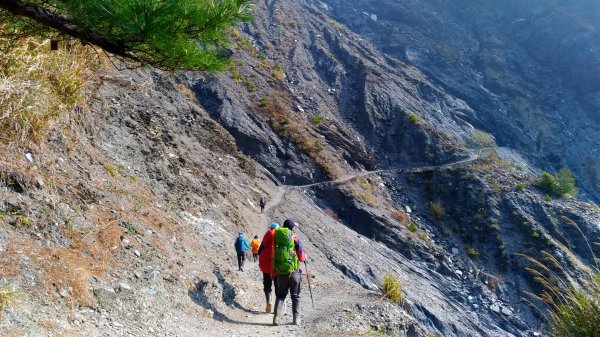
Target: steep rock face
529 70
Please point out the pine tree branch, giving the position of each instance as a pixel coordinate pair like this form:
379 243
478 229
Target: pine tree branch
64 25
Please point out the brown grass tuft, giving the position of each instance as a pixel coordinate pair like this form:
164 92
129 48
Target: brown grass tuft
38 85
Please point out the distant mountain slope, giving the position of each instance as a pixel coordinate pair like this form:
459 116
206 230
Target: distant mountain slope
530 70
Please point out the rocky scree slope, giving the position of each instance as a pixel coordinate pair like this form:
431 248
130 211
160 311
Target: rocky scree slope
123 223
400 118
528 70
141 199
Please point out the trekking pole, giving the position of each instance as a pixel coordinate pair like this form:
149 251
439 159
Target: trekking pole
309 288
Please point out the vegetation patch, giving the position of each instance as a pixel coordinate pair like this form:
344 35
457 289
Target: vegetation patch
561 184
8 297
391 288
436 210
38 85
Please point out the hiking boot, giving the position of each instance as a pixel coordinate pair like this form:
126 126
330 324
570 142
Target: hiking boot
268 308
275 320
296 320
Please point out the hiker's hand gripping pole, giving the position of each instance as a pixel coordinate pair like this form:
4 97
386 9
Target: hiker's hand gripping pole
309 288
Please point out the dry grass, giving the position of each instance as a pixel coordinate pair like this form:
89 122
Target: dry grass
399 216
38 85
572 311
331 213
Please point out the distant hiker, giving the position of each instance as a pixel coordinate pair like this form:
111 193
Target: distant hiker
288 253
265 263
262 204
255 244
240 247
283 178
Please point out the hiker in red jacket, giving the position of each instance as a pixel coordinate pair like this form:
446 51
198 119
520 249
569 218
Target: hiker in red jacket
265 263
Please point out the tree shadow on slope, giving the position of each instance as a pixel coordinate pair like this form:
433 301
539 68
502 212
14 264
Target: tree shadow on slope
203 291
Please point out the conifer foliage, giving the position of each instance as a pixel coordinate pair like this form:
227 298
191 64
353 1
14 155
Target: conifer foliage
166 34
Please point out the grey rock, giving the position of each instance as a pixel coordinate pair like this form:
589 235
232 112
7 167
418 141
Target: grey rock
39 181
13 201
105 294
455 250
506 311
150 291
124 287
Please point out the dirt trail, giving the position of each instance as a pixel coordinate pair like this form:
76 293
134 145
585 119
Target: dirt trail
472 157
249 318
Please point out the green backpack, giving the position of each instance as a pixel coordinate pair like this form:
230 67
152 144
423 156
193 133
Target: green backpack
285 260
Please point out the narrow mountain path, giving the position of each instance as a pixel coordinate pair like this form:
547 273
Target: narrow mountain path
250 319
472 157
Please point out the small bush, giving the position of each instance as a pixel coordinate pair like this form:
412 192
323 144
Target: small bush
547 197
472 252
436 210
8 297
413 118
521 186
412 227
317 120
561 184
391 288
278 72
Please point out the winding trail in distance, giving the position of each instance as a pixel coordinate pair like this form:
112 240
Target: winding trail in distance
281 190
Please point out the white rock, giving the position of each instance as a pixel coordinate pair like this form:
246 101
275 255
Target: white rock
124 287
408 210
29 157
374 17
459 273
506 311
137 253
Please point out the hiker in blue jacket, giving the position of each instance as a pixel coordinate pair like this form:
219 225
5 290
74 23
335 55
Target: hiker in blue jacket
240 247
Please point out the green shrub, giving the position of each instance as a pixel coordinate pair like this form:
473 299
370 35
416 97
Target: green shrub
520 186
317 119
413 118
391 288
8 297
472 252
436 210
278 72
561 184
547 197
412 227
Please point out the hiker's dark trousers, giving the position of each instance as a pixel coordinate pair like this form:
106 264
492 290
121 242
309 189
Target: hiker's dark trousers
269 282
290 283
255 256
241 259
